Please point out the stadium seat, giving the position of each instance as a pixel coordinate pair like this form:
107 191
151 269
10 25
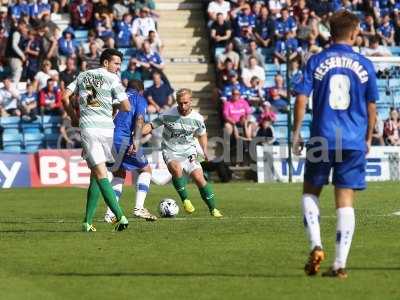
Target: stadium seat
281 119
10 122
307 118
33 142
305 132
81 35
51 124
12 142
218 52
281 133
147 84
31 127
128 52
51 140
395 50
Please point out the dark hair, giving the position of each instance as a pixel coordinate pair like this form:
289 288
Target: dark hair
136 85
375 39
108 53
342 23
156 73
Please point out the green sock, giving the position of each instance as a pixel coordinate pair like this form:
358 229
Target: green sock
109 197
180 186
207 195
93 195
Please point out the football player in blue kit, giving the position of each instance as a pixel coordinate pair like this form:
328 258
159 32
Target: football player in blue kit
129 155
344 89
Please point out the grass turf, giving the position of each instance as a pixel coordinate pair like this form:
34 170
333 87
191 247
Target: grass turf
256 252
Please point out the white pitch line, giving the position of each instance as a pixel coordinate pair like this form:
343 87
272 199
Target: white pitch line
60 221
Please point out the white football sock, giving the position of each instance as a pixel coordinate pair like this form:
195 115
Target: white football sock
116 183
344 234
311 219
142 187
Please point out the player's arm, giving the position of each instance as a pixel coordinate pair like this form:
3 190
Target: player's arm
203 141
148 127
139 124
124 106
372 95
68 92
121 98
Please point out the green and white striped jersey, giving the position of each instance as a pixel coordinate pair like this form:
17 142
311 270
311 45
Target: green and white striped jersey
180 131
97 90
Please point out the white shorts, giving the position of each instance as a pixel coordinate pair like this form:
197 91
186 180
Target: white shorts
188 163
97 146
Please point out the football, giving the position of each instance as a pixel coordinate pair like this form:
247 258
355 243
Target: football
168 208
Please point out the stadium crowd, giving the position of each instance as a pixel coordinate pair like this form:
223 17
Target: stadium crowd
38 60
254 41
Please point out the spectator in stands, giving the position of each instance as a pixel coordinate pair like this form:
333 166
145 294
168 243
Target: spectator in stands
33 50
67 45
92 38
159 95
50 45
53 28
277 95
9 98
104 26
254 70
391 129
147 4
15 50
375 49
307 28
295 72
70 136
228 53
142 26
377 134
29 103
386 31
124 32
3 41
275 7
5 21
256 9
285 24
323 30
255 93
50 98
155 42
221 32
81 14
243 39
368 28
93 57
265 131
265 29
234 84
119 10
151 61
236 113
132 72
218 7
282 47
397 28
37 9
222 75
252 51
267 112
69 74
17 9
44 75
243 18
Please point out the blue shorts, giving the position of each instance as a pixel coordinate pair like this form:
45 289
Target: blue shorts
135 161
349 170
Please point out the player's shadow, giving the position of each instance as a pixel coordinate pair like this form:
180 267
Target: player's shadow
171 274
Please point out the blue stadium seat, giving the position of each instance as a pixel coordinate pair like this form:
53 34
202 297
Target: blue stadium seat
218 51
33 142
128 52
81 35
307 118
12 142
51 124
147 84
281 119
31 127
281 133
51 140
10 122
305 132
395 50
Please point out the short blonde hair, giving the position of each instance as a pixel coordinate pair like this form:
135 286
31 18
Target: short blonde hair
180 93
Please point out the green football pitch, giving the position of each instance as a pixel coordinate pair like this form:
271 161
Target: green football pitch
257 251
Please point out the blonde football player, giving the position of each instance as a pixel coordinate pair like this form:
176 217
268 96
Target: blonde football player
98 91
181 127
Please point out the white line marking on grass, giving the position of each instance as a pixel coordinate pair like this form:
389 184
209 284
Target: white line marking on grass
397 213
